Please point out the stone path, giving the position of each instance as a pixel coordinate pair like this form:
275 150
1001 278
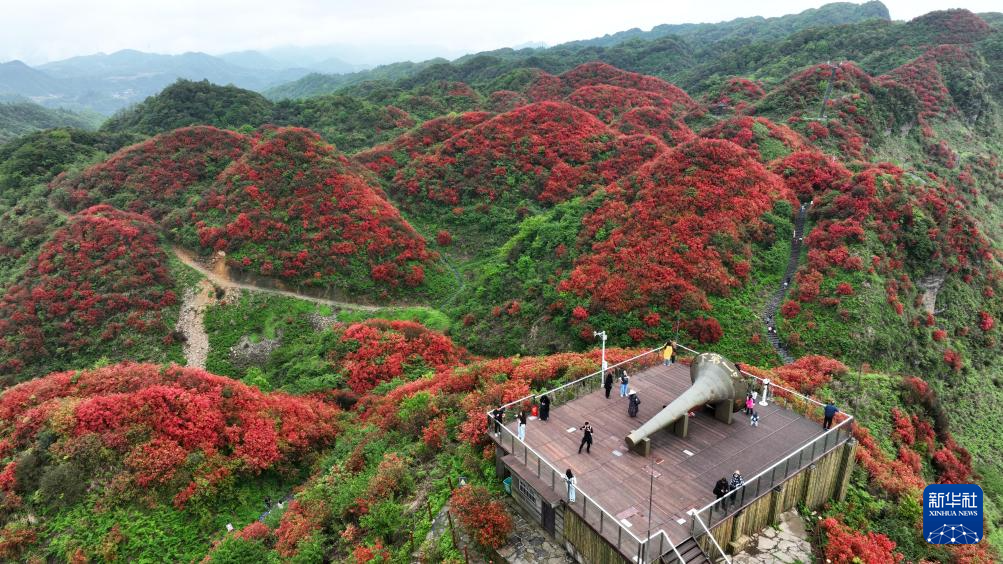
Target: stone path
770 311
529 544
788 544
190 323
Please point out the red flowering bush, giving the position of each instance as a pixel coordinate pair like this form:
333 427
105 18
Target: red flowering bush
846 546
153 420
809 373
763 139
650 241
790 309
155 177
986 321
809 174
486 519
101 283
376 351
548 87
293 207
704 329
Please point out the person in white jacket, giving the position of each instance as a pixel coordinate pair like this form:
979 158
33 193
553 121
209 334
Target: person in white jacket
572 482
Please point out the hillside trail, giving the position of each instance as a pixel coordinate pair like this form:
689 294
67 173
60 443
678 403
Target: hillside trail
218 273
191 323
773 304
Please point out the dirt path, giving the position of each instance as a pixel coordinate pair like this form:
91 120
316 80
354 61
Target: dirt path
191 323
216 273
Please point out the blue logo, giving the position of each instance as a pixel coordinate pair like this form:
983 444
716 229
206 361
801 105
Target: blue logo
952 514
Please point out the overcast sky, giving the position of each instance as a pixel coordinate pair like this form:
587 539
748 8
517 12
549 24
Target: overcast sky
41 30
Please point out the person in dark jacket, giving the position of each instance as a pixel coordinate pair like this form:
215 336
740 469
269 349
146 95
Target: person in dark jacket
499 416
736 483
544 407
587 439
633 403
720 489
830 412
607 382
522 425
624 380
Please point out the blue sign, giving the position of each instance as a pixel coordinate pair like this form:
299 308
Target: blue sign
952 514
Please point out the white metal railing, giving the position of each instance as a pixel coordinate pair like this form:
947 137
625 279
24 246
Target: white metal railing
697 519
599 373
753 487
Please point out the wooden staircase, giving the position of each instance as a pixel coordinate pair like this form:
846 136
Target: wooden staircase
690 551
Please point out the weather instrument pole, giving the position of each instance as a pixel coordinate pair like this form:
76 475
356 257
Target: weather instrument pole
602 335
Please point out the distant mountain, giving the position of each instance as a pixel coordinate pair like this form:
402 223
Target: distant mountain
755 28
663 50
106 83
18 79
24 117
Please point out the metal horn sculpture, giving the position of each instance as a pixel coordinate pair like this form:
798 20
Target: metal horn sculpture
715 381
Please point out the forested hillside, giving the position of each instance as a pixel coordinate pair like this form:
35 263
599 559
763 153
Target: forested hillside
370 270
18 118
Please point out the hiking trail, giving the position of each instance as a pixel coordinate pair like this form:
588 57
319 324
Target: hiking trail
773 304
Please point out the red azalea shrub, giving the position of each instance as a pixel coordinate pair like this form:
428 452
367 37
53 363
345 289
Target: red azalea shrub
790 309
846 546
651 239
487 520
548 87
434 434
444 238
154 177
296 205
706 330
154 419
953 359
844 289
811 372
101 282
939 335
809 173
986 321
299 523
757 134
377 351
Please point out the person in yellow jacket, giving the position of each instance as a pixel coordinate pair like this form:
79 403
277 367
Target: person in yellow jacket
669 354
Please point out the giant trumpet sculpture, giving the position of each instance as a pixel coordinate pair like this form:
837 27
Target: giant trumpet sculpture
715 381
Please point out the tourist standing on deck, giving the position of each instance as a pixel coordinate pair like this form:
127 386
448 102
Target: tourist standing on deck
633 404
522 425
607 381
587 439
572 482
669 354
830 412
736 484
544 407
720 489
624 380
499 417
749 404
754 420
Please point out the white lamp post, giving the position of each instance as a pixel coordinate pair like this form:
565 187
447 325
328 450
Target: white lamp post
766 391
602 335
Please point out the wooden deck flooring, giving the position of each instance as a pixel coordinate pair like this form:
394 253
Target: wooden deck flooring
685 470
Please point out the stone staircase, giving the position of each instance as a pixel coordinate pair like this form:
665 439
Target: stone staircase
773 304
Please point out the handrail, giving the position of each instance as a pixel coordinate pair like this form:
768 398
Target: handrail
672 546
781 461
579 380
557 472
720 551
